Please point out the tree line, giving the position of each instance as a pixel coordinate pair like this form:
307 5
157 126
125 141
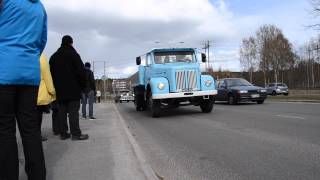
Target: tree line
268 57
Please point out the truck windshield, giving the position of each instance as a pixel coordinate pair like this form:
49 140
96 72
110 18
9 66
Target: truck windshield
173 57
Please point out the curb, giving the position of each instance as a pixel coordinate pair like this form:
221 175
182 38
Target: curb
145 166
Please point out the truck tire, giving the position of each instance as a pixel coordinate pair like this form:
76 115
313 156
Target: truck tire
207 105
139 101
154 106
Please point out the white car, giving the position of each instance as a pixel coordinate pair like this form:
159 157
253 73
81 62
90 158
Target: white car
126 97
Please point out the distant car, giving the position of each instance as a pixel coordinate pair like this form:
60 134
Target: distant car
277 88
126 96
235 90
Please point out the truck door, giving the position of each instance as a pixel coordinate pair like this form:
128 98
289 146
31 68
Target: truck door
148 68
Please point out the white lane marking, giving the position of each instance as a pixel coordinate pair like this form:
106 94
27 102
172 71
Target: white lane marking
303 103
290 117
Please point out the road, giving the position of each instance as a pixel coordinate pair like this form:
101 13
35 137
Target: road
248 141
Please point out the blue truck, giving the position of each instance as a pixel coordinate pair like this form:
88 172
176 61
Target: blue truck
169 78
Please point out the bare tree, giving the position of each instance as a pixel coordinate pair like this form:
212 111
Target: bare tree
248 55
265 43
315 11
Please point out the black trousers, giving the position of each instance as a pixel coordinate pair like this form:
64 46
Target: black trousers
69 109
18 105
55 120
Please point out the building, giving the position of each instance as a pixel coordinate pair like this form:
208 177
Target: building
120 85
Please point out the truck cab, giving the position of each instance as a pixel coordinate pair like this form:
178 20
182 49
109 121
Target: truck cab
172 78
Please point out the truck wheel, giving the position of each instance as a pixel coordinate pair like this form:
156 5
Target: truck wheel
154 106
231 100
207 105
139 103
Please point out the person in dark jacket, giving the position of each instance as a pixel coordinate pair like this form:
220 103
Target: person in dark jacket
89 92
68 76
23 36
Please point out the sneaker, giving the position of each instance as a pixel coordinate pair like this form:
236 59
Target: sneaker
81 137
65 136
92 118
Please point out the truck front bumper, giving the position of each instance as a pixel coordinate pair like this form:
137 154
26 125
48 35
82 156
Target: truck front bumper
184 94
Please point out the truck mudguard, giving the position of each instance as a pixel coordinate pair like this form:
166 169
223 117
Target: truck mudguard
159 85
207 83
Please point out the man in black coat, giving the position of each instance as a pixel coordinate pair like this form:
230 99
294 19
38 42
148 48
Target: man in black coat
68 76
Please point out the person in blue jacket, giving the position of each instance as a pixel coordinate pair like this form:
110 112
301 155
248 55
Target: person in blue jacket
23 36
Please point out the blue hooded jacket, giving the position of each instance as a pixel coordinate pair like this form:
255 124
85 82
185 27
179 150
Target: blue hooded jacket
23 36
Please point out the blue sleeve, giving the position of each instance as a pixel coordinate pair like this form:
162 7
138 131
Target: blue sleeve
44 33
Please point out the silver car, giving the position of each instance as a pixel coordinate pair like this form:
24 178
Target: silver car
277 88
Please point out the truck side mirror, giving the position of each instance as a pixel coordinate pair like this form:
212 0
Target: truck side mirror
203 57
138 60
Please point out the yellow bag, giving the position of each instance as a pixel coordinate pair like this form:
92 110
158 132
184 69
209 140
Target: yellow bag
46 93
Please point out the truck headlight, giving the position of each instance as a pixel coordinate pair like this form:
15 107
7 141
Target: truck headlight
243 91
161 86
208 83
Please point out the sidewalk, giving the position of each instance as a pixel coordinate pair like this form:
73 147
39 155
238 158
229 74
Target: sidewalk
111 153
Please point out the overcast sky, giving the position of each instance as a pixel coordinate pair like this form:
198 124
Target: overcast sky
116 31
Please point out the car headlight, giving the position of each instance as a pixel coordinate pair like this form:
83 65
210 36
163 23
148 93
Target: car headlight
208 83
161 86
263 90
243 91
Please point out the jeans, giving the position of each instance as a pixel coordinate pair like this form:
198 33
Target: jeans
18 105
87 98
70 109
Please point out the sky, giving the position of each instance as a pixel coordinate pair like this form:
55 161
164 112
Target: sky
116 31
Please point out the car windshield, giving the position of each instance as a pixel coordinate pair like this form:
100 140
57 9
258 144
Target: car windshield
282 85
237 82
174 57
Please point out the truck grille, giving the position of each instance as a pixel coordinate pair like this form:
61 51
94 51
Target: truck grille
186 80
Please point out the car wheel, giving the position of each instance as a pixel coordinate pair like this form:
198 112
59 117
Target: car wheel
286 94
274 93
231 100
260 101
207 105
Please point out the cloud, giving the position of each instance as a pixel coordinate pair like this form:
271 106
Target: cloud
116 31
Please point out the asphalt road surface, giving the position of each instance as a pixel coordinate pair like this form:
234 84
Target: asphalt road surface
270 141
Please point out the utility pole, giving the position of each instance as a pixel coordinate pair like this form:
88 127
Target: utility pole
206 48
208 45
309 51
104 80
